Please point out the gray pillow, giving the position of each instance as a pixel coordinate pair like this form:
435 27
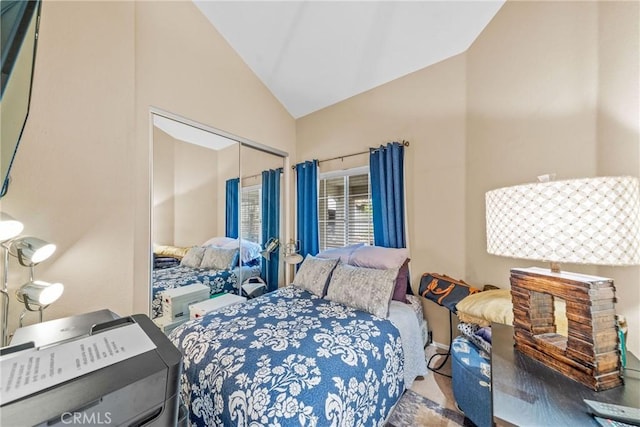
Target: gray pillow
366 289
219 258
314 274
193 258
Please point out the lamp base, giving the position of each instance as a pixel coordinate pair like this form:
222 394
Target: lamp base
589 353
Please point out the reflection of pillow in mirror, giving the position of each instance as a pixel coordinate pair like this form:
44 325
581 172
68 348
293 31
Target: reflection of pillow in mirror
249 250
367 289
314 273
218 241
219 258
342 253
170 251
193 258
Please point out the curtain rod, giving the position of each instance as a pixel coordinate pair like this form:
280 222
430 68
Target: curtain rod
405 143
256 175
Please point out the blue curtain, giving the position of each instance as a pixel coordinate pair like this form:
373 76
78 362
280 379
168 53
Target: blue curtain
307 207
271 224
233 211
387 195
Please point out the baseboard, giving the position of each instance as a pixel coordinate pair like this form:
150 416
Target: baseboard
440 345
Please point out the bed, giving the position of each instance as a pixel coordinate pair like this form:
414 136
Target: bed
300 356
219 263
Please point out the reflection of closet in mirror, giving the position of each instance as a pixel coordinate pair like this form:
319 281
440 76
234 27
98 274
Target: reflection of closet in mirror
193 168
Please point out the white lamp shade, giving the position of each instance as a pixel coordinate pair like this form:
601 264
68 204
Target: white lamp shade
31 250
40 292
584 221
9 227
293 259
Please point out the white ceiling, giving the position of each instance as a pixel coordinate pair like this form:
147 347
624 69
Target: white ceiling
191 134
312 54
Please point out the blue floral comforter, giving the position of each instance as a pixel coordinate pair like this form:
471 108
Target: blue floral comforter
289 358
168 278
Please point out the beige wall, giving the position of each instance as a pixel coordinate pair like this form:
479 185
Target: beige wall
547 87
185 192
552 87
163 211
72 179
81 178
427 108
184 66
618 129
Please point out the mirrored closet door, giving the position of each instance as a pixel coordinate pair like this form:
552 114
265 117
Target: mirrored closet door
211 189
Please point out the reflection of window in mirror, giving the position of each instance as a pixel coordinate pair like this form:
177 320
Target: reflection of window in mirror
251 213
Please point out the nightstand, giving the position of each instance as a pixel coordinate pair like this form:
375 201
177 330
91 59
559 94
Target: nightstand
525 392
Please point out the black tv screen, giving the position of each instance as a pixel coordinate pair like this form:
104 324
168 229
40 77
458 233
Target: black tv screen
19 34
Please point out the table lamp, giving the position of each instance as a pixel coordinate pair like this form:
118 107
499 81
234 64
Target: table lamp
592 221
291 255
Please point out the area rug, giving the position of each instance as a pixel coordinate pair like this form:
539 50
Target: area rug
414 409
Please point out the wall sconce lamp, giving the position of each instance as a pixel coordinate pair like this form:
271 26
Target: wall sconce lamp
592 221
9 227
29 251
38 293
291 255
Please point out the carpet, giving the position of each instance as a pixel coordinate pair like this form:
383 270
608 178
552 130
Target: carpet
414 409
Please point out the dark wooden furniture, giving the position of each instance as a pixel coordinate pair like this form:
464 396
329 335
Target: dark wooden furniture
589 354
525 392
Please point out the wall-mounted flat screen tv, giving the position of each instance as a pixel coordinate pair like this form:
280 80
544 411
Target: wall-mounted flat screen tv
19 32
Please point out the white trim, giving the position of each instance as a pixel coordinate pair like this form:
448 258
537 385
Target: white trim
439 345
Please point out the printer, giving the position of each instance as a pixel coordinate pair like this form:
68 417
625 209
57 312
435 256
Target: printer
91 369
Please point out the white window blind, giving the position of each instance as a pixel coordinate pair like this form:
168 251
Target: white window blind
251 214
345 213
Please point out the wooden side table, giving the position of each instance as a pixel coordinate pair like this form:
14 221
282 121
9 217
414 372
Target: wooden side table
527 393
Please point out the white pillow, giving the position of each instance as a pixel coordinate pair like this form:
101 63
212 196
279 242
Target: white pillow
249 250
378 257
218 241
343 253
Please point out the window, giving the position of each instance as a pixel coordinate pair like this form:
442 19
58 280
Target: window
344 204
251 214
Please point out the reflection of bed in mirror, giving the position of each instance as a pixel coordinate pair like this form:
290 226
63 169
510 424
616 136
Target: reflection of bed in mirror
221 264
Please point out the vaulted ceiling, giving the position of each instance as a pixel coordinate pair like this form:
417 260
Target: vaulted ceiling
312 54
